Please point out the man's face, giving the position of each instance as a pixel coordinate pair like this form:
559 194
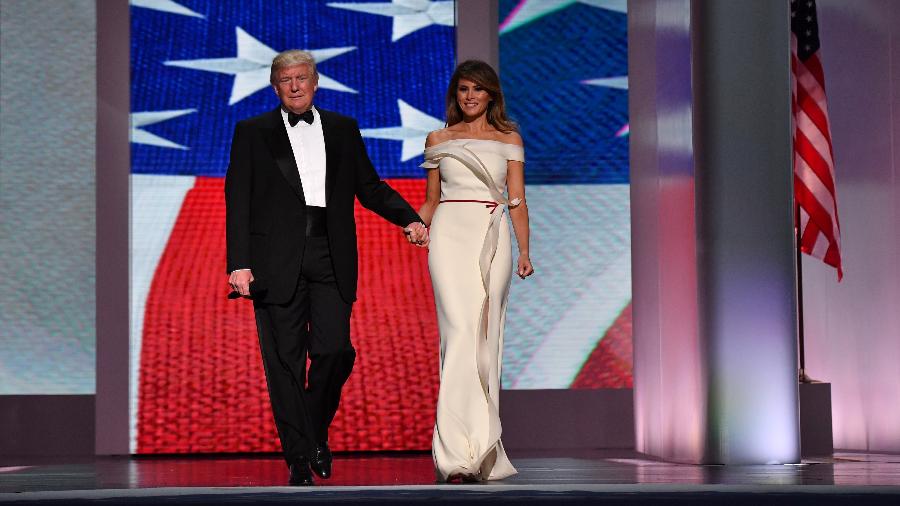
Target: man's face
295 87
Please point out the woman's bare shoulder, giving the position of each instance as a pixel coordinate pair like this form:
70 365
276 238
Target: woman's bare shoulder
512 137
438 136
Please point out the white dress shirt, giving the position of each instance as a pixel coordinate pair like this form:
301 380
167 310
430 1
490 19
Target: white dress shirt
308 145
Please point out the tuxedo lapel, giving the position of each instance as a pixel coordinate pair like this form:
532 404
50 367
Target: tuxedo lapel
332 151
280 146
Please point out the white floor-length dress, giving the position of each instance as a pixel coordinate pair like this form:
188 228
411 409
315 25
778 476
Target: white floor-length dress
470 261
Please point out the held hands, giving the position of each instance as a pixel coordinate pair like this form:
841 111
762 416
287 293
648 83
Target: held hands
240 281
417 233
524 268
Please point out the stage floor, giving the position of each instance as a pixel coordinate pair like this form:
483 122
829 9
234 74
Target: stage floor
575 477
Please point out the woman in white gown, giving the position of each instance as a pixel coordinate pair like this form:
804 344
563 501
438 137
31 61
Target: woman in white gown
475 162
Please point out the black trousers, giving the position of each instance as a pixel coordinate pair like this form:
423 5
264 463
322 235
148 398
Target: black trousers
315 323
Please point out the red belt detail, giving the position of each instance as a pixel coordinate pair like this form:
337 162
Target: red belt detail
488 204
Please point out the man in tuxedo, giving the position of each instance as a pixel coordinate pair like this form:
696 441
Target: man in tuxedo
291 238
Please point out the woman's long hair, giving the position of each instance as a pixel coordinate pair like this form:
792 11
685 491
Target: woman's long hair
483 75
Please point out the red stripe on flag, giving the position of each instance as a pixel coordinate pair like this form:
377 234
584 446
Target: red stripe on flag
814 65
809 235
808 105
610 364
813 158
818 215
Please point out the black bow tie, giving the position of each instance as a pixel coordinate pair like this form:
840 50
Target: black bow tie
294 118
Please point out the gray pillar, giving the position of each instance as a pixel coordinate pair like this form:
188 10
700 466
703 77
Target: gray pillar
746 260
476 31
714 276
113 167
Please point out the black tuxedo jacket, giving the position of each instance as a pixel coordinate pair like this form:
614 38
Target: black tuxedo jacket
266 210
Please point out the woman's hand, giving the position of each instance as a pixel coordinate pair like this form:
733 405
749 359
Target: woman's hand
525 268
417 233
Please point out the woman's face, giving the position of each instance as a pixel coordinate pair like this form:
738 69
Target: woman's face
473 100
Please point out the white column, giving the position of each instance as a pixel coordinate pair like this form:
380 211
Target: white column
713 258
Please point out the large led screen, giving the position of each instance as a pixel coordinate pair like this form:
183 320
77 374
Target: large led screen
200 66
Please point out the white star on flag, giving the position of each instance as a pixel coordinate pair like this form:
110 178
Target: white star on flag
415 127
251 66
618 82
165 6
409 15
531 10
142 119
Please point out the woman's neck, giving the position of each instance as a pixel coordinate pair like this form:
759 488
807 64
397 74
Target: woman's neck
474 125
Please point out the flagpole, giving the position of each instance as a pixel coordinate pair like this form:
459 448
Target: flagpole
802 352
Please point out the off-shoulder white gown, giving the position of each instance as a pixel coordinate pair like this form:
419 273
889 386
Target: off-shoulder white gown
470 260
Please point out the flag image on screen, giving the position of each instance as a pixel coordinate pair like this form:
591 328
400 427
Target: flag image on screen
199 67
564 71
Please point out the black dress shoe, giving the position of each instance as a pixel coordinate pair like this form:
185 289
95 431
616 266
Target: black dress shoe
300 474
320 461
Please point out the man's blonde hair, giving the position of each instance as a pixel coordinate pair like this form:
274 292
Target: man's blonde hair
290 58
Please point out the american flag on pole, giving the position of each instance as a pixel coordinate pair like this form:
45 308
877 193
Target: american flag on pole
814 190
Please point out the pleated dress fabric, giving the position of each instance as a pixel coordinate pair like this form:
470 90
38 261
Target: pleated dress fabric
470 261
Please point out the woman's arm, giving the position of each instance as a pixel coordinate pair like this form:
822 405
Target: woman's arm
515 186
515 183
432 186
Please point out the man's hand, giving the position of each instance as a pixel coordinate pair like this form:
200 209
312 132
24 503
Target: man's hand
417 233
240 281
